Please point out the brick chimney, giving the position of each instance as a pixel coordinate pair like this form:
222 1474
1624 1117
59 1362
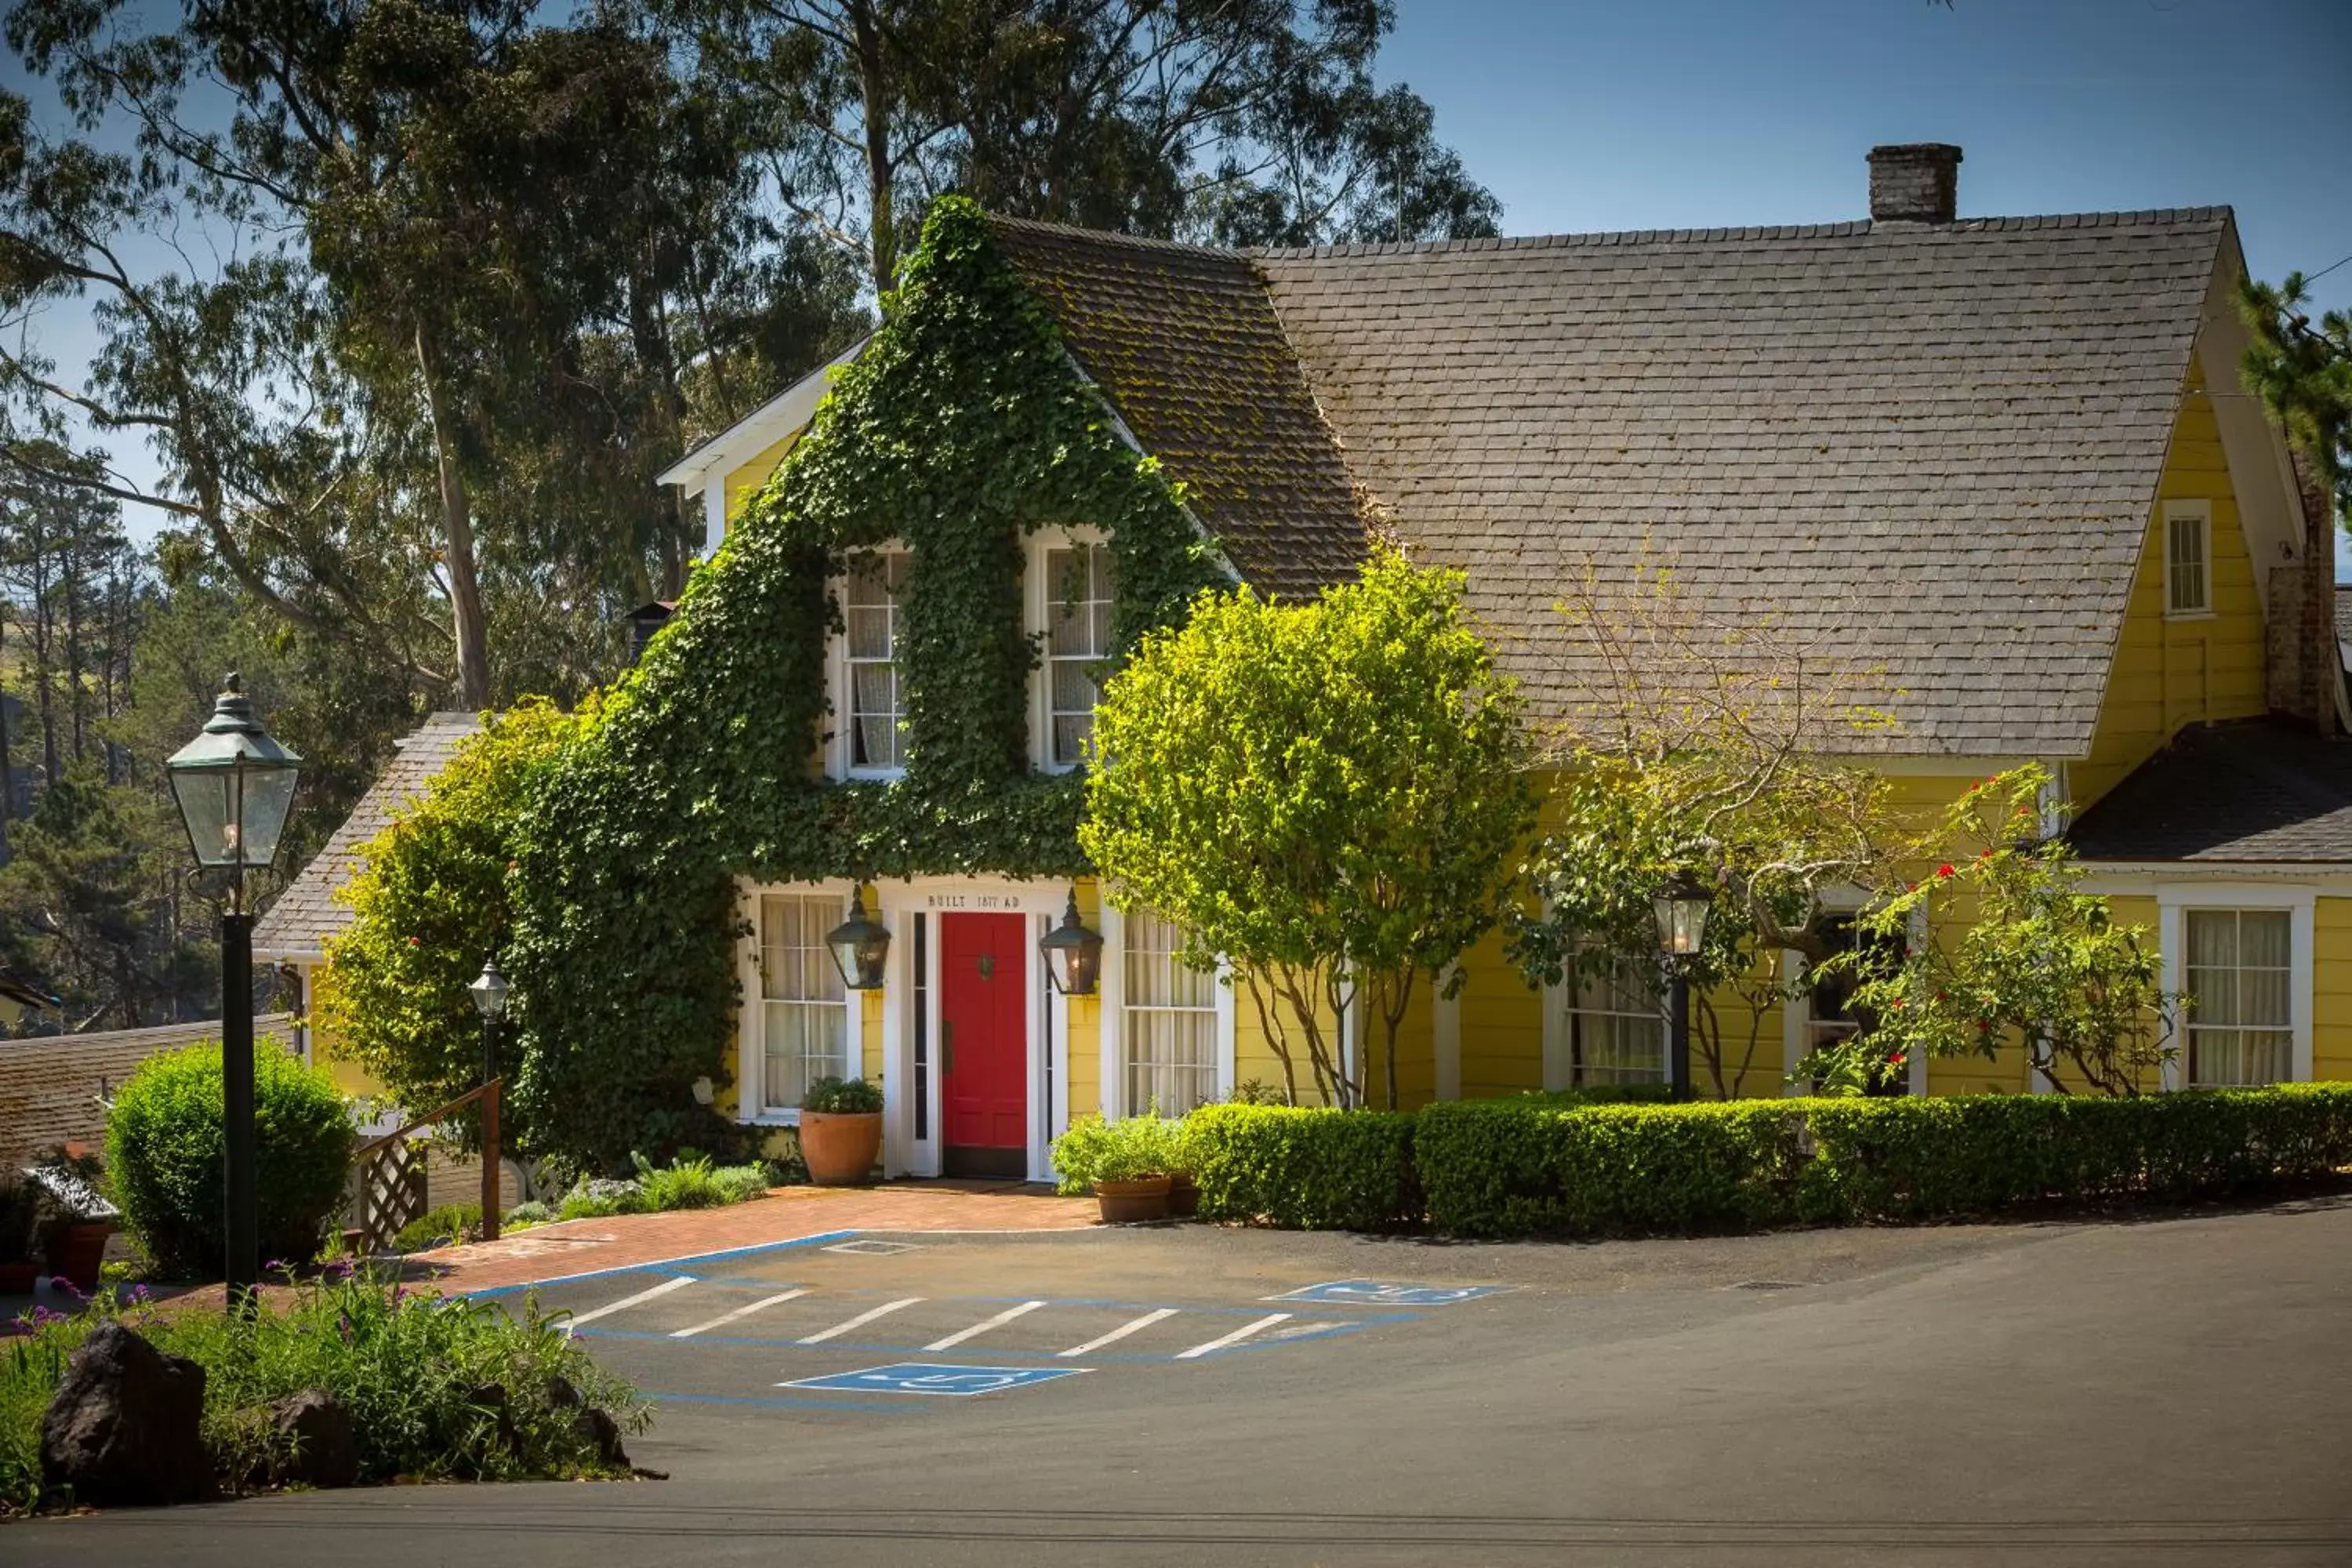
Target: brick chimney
1919 181
2304 664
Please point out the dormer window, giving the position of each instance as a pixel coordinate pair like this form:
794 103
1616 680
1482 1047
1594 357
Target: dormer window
1076 578
870 609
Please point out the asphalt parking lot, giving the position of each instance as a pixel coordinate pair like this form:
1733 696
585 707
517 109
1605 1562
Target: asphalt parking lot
2171 1390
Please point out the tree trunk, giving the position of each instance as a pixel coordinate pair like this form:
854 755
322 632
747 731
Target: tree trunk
874 89
457 535
7 775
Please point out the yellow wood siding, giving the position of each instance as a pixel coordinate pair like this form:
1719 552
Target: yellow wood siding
2331 982
2169 673
741 482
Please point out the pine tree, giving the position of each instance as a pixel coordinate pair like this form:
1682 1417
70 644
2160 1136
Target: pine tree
2303 375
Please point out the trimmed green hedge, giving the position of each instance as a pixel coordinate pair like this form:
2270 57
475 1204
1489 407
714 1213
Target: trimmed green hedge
165 1156
1547 1164
1304 1169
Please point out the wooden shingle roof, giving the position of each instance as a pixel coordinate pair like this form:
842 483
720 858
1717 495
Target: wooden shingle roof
2250 792
297 925
1934 445
50 1085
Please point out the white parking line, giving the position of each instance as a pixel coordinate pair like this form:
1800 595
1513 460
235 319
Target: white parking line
860 1321
726 1318
1236 1337
1119 1332
982 1327
664 1288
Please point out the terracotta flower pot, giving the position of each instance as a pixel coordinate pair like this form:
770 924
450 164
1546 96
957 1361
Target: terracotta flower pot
1183 1197
75 1251
840 1147
1125 1203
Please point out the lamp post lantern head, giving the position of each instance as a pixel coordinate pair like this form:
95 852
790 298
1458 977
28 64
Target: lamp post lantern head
234 785
1681 908
489 990
860 947
1073 953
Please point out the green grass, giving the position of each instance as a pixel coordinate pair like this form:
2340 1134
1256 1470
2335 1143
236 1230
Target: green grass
411 1369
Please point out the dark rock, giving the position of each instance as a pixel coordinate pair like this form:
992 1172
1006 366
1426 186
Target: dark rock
561 1395
315 1440
126 1426
492 1397
592 1426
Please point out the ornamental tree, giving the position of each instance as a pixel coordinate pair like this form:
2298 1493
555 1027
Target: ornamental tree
1711 744
2043 964
431 901
1327 795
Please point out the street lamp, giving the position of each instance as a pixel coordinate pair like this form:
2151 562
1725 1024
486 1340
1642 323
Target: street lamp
1681 908
859 947
235 785
1073 953
489 993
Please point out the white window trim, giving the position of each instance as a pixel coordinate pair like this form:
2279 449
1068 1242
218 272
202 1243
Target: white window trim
2174 900
843 713
752 1017
1797 1003
1037 597
1110 998
2201 512
1560 1071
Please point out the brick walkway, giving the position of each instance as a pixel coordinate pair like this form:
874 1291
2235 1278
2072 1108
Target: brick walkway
579 1245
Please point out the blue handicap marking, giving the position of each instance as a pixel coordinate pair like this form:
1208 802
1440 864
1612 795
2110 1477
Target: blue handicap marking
1386 1293
930 1377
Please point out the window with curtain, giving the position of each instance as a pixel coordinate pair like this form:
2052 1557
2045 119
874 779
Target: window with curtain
804 1007
870 613
2239 975
1167 1030
1616 1026
1078 641
2187 590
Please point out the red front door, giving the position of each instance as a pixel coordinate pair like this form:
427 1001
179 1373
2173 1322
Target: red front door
983 1045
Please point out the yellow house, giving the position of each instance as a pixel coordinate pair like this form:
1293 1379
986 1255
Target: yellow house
2005 464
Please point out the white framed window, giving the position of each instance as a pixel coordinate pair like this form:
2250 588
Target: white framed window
2188 558
1611 1028
1167 1022
871 708
805 1010
1818 1010
2239 971
1078 589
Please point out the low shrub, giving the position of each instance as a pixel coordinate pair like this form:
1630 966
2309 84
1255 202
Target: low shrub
165 1156
842 1097
1305 1168
1128 1150
524 1215
600 1197
1518 1167
435 1387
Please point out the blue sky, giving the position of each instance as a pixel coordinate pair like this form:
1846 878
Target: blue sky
1603 114
1694 113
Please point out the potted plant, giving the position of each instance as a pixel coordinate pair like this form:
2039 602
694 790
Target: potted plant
841 1131
1132 1172
80 1220
20 1211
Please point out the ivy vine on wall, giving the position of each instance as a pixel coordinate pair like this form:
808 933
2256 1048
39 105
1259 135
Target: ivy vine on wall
962 428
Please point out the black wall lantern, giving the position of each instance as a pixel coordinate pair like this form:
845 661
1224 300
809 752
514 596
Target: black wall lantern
860 947
1073 953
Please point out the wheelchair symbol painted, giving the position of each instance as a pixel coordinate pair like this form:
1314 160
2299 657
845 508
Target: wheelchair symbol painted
929 1377
1386 1293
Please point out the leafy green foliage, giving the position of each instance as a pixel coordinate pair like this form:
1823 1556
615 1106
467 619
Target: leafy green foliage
1127 1149
1325 794
2043 965
163 1155
832 1096
2302 374
439 1226
697 1184
412 1370
430 903
1305 1167
961 428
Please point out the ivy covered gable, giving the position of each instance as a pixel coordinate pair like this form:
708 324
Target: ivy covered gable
965 427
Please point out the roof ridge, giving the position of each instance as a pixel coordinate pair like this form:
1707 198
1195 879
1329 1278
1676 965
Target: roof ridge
1846 229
